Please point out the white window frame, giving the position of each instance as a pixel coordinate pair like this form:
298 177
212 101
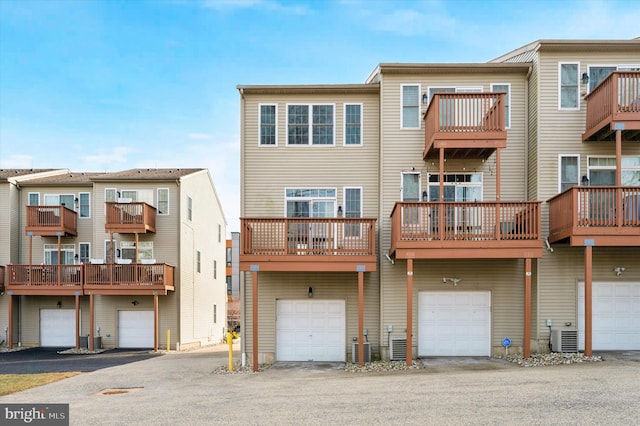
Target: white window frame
145 249
110 196
402 106
560 107
64 248
107 251
560 157
163 212
80 194
59 203
260 144
198 261
508 101
189 208
138 195
37 194
310 124
617 67
80 258
611 167
358 233
344 130
311 199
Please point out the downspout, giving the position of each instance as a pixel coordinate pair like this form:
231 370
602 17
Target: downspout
241 274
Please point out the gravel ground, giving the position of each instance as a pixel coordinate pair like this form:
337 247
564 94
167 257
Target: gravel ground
183 388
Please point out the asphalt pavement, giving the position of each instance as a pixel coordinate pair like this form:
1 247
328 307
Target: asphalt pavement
48 360
185 388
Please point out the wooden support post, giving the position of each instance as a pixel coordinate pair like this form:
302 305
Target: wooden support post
409 311
156 322
92 321
527 309
588 254
77 322
10 326
254 313
361 317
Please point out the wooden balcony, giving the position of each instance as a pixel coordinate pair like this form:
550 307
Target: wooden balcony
129 279
467 125
614 104
51 221
590 213
130 218
1 278
45 279
451 230
308 244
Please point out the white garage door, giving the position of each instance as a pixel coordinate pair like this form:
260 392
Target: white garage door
615 316
135 329
310 330
58 327
454 323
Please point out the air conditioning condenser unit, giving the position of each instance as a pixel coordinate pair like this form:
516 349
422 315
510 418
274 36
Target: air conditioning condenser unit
398 349
355 348
564 340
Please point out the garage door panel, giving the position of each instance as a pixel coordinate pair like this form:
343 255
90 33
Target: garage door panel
318 330
454 323
135 329
57 327
615 316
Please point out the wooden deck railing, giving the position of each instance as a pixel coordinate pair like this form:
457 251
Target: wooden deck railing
49 276
126 275
616 98
480 221
2 278
594 206
465 112
134 216
304 236
47 220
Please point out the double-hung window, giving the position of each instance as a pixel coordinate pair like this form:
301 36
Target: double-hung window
504 87
84 204
568 86
352 209
410 98
268 122
569 167
85 252
163 201
353 124
310 124
34 198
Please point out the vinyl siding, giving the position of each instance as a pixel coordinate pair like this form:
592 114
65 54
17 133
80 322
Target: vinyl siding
274 286
198 328
267 171
401 151
199 292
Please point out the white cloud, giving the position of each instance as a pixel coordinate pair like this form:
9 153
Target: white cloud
289 8
198 136
419 18
18 161
108 159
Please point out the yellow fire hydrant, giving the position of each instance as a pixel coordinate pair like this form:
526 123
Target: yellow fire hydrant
230 336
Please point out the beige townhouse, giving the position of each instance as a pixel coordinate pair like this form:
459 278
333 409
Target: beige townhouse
493 193
130 259
584 162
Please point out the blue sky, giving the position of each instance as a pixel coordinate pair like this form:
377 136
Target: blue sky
107 85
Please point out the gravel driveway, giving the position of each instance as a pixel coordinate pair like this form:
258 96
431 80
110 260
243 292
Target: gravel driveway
182 388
